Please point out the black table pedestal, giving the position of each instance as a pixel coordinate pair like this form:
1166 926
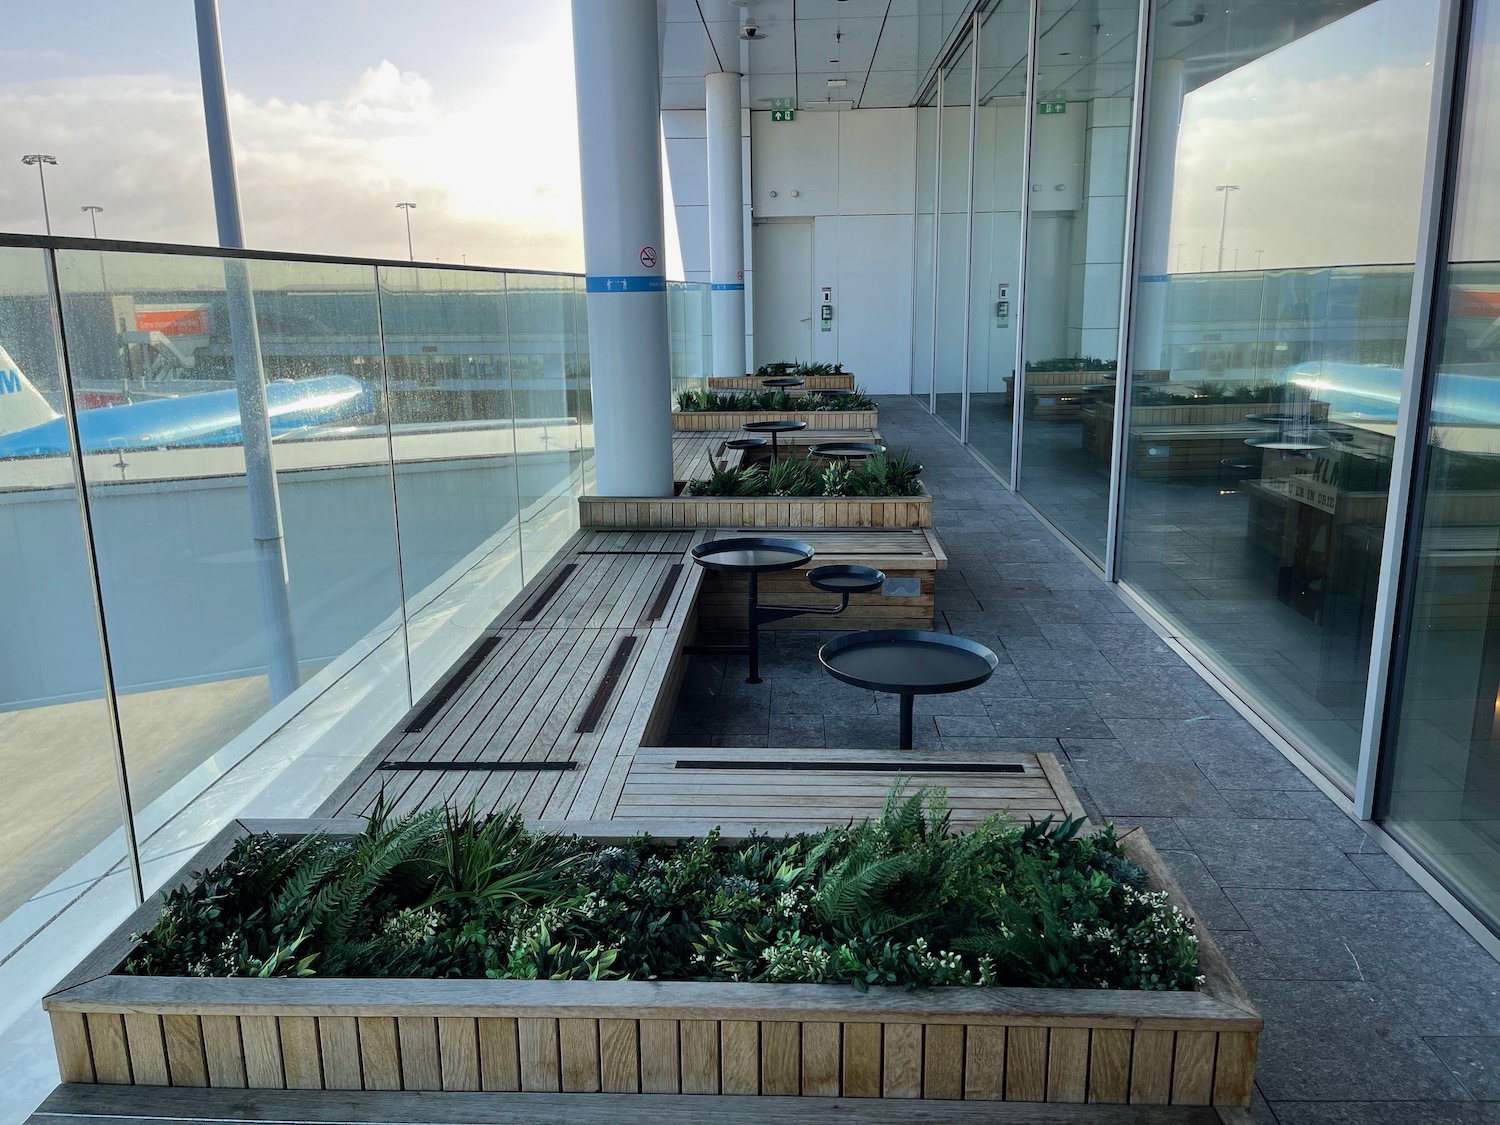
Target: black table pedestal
906 711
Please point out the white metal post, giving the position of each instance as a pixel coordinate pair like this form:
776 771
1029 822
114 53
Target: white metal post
1018 381
963 401
1165 93
249 378
619 109
726 222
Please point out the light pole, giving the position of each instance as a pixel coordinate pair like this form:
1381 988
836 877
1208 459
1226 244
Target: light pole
93 210
1224 221
407 207
39 159
1259 254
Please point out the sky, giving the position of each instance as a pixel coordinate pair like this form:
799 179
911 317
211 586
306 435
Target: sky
340 109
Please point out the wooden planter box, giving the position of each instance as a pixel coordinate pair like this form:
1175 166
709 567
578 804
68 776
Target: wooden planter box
770 511
815 419
1010 1044
755 383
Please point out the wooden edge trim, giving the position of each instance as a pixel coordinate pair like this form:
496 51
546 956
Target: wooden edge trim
1066 797
935 545
1220 981
118 943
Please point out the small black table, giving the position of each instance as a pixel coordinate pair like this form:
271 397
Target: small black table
754 556
778 426
783 381
846 450
908 663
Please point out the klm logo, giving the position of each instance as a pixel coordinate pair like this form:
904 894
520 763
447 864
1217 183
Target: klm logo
10 382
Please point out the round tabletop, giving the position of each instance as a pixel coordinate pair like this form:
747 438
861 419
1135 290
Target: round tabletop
783 381
1286 444
908 661
777 426
849 450
1277 418
752 554
745 443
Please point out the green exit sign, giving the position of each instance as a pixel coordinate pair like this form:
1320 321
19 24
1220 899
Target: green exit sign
1052 107
783 115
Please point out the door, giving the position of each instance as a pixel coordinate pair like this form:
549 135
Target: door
784 291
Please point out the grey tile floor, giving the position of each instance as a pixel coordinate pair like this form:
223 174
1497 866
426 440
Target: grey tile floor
1379 1008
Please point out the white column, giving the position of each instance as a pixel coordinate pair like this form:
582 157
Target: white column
619 149
1159 171
726 222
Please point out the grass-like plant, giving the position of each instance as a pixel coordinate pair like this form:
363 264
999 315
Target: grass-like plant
799 369
876 476
1213 394
897 900
703 399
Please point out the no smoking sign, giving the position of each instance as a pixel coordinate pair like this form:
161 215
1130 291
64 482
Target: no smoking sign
648 257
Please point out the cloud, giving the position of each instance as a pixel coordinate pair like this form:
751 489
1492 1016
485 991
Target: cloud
494 178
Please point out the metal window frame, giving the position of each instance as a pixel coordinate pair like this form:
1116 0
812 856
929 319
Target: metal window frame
390 448
937 243
1395 590
1018 379
963 402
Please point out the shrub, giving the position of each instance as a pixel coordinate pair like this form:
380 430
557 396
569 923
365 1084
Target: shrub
876 476
899 900
692 401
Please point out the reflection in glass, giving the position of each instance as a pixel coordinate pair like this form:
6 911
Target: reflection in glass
60 803
1444 772
1080 167
953 239
1263 394
923 250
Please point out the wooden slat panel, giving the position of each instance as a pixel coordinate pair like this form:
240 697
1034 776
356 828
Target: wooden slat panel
185 1061
1026 1064
943 1061
739 1052
862 1060
660 1057
620 1056
822 1045
301 1060
541 1069
420 1066
1109 1066
700 1056
579 1049
984 1063
1151 1067
499 1054
224 1052
458 1048
106 1041
379 1053
1193 1068
338 1043
1234 1068
261 1038
148 1051
70 1038
1068 1064
781 1057
902 1071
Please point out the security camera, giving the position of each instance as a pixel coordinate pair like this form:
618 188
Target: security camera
750 31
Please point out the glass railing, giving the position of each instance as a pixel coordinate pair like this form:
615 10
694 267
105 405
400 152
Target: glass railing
271 596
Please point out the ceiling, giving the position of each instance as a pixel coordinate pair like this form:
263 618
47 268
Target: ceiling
885 51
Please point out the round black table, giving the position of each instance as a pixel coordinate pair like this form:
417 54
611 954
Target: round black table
752 557
908 663
846 450
746 443
778 426
783 381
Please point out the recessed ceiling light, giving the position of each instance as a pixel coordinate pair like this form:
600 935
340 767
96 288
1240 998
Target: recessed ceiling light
836 83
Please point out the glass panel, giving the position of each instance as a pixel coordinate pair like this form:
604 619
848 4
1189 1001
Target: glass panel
60 803
1444 777
998 187
448 355
922 262
1279 185
1080 156
953 240
549 459
688 334
580 390
210 633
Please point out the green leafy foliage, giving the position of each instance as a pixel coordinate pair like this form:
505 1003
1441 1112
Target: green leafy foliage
799 369
897 900
771 400
875 476
1213 394
1071 363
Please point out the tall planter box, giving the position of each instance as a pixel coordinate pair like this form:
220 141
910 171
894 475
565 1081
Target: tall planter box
997 1044
749 511
815 419
757 383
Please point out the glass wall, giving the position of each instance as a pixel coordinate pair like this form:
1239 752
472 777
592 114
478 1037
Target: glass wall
953 240
1080 167
1278 187
1443 770
311 486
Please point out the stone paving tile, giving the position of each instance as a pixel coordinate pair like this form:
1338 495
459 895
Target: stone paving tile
1023 718
1386 1113
1474 1061
1212 905
1270 853
1151 789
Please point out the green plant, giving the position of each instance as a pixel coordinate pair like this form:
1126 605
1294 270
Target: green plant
702 399
1071 363
790 476
897 900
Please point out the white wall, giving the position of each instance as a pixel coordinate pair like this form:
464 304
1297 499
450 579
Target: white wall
852 175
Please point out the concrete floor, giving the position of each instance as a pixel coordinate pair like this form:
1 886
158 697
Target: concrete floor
1379 1008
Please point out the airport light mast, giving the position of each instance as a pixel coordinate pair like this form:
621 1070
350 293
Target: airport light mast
40 159
408 207
1224 221
93 210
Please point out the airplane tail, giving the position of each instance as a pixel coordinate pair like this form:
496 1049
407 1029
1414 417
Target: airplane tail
21 405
